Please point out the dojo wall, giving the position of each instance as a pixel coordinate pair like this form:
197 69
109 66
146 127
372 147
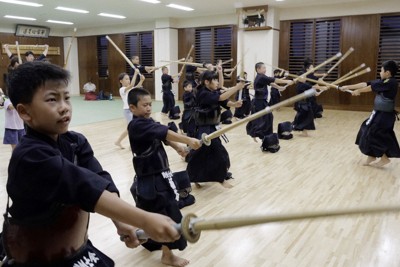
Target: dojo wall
263 45
10 38
360 32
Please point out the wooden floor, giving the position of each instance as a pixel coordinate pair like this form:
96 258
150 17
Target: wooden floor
320 172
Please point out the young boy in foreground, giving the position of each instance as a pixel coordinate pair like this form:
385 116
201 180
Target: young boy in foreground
54 182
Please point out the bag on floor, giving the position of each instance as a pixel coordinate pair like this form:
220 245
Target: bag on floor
270 143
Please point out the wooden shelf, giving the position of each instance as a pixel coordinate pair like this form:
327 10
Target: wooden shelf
264 28
252 8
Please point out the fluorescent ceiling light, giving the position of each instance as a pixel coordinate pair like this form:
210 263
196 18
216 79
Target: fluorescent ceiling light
151 1
18 17
180 7
72 9
112 16
21 3
59 22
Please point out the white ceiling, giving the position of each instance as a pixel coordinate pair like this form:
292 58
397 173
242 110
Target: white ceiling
136 11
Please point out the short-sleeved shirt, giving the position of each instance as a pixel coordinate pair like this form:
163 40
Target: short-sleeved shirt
89 87
124 97
43 173
12 119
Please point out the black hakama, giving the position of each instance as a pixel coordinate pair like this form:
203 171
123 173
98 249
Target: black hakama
154 191
376 136
316 108
304 119
168 96
264 125
209 163
275 96
162 201
168 103
245 109
188 123
261 126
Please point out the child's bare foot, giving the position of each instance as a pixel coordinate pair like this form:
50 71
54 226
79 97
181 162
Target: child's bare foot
369 160
119 145
384 160
304 133
170 259
198 185
226 184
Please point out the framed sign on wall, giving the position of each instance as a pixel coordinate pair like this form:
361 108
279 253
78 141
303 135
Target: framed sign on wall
32 31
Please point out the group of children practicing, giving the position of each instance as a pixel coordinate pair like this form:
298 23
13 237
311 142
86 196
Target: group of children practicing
13 124
55 182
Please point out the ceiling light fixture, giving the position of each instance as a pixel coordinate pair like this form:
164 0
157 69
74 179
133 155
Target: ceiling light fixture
24 3
112 16
18 17
59 22
180 7
72 9
151 1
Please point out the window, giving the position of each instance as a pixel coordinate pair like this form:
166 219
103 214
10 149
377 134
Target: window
223 44
301 44
203 46
327 44
102 56
214 43
140 44
389 41
315 39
